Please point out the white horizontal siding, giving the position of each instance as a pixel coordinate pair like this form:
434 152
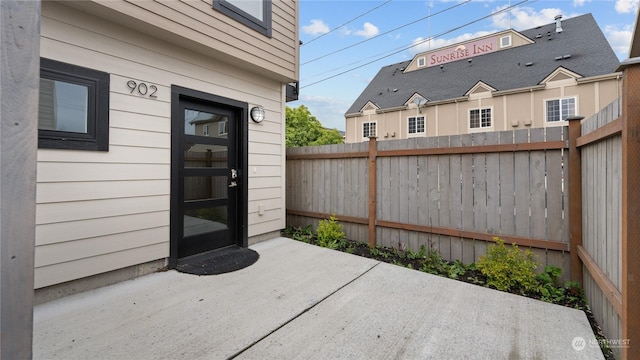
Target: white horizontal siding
82 267
100 211
91 228
94 209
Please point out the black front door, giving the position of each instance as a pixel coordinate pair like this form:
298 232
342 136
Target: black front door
207 168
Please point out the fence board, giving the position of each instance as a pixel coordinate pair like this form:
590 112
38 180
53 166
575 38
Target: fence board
521 175
455 173
507 186
444 197
466 160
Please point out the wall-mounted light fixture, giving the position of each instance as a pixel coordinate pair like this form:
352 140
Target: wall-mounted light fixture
257 114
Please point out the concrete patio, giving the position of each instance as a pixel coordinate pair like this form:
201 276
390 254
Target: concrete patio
305 302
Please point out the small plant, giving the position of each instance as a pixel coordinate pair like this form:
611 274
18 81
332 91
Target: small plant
412 255
304 234
330 233
378 252
509 269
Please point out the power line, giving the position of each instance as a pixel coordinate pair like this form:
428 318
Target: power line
386 32
347 23
418 43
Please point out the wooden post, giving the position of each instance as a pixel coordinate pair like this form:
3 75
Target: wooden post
575 197
631 211
19 86
373 153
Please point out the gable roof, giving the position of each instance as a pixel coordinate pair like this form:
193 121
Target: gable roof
581 48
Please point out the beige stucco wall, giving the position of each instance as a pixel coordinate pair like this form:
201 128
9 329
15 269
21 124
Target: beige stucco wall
526 108
101 211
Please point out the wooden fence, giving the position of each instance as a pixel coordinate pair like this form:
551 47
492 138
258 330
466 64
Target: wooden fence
453 194
608 147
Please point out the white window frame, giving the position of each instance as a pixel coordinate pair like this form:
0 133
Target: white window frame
205 130
422 60
375 123
508 37
560 101
223 128
480 128
416 132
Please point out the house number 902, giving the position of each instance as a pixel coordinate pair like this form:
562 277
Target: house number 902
143 89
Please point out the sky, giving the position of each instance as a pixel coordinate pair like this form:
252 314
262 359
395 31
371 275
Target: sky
345 43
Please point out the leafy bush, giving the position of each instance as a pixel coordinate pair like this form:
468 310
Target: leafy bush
509 269
330 233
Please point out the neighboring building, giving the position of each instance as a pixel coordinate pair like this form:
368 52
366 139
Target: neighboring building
147 148
504 81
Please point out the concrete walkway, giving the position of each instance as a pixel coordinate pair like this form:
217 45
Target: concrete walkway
304 302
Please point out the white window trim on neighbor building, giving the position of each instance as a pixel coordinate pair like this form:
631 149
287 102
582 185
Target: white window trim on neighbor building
366 135
417 120
481 127
561 113
422 61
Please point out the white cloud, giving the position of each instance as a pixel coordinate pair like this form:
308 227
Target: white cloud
619 39
368 30
316 27
437 43
329 110
525 17
626 6
577 3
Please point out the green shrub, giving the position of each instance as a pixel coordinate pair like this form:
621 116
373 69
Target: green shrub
330 233
508 268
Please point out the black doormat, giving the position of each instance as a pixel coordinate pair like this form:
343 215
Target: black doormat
217 261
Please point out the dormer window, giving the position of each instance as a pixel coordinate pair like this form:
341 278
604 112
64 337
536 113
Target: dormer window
505 41
421 62
255 14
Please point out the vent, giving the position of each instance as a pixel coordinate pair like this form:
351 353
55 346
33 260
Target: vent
538 36
558 20
528 64
566 56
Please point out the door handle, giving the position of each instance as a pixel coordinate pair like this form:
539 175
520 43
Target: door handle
234 176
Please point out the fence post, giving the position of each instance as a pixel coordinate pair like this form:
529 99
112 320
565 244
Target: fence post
373 153
631 210
575 197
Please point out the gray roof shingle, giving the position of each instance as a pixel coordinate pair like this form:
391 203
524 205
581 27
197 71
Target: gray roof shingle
590 52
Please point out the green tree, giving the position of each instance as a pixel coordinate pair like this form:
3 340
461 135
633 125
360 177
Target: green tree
303 129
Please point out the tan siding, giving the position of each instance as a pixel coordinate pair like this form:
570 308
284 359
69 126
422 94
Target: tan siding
99 211
76 230
63 252
66 171
197 26
71 270
96 190
80 210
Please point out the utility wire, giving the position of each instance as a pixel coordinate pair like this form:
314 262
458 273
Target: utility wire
347 23
417 43
385 33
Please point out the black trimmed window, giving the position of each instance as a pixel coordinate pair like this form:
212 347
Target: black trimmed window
416 125
560 109
255 14
74 107
480 118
